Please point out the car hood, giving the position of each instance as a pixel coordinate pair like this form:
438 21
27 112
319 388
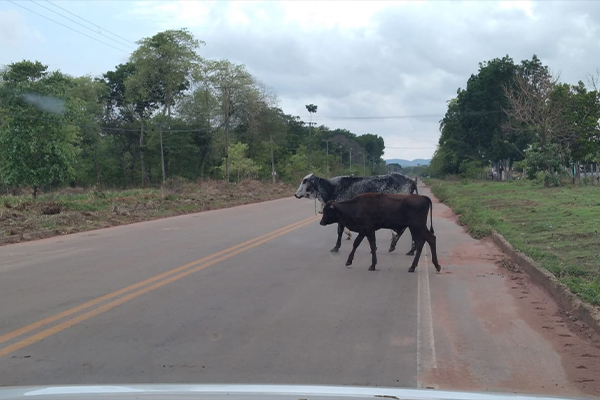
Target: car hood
243 392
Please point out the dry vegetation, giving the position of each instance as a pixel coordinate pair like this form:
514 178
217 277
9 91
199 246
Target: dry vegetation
74 210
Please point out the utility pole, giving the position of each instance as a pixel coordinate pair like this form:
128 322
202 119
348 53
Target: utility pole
309 141
226 91
272 160
142 150
162 153
327 159
311 108
227 136
350 159
341 157
364 165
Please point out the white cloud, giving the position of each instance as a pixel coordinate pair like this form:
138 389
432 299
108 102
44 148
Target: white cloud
14 32
173 14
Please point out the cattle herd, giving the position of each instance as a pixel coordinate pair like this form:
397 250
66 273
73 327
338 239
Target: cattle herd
367 204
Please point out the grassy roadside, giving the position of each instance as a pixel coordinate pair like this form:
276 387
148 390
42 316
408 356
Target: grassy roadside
557 227
76 210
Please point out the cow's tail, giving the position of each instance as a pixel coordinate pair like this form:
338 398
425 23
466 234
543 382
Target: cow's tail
430 214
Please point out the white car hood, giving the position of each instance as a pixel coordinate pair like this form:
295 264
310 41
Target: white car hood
243 392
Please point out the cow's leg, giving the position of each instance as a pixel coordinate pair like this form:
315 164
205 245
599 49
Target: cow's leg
395 237
413 247
348 233
357 241
373 244
423 235
431 241
419 242
338 243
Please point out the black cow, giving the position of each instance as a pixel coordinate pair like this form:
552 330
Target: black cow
343 188
370 212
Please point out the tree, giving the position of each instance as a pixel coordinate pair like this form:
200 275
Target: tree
199 110
536 108
91 92
241 165
311 108
582 113
235 89
165 61
142 97
479 127
373 144
38 145
120 113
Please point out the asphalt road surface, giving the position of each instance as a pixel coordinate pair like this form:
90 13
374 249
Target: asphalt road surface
252 294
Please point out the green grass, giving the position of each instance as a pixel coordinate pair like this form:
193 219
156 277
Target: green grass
557 227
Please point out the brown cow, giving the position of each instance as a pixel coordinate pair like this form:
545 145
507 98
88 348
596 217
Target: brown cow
369 212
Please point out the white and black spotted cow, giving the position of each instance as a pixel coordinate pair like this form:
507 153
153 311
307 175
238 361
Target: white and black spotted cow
343 188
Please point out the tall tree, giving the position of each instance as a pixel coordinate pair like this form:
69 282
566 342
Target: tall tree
535 107
38 144
166 60
91 93
235 89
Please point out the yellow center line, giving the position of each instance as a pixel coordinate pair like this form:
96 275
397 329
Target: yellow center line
48 320
99 310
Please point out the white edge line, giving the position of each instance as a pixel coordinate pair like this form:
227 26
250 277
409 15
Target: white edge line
426 358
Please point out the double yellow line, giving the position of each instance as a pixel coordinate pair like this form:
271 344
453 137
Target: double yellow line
121 296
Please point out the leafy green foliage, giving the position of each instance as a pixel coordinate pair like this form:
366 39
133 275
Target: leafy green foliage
37 145
509 113
241 166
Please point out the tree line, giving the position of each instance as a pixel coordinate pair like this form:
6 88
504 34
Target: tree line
165 113
519 116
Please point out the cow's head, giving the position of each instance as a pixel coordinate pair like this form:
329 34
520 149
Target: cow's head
329 214
307 187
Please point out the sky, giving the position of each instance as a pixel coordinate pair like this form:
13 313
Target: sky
386 68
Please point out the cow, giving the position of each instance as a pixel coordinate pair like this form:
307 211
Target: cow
369 212
343 188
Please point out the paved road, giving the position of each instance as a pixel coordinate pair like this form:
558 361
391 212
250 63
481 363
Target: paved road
252 295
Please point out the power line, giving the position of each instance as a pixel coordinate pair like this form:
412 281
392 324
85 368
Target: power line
379 117
91 23
401 116
104 128
410 148
66 26
79 23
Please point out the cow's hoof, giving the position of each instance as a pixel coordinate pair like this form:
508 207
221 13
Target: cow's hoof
410 253
391 249
335 250
438 268
349 237
372 269
348 263
411 269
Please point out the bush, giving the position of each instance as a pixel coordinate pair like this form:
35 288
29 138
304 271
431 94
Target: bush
547 179
174 185
470 169
51 208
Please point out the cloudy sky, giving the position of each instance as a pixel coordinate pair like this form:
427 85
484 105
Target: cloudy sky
372 67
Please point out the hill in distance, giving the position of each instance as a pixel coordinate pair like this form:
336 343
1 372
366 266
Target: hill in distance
407 163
